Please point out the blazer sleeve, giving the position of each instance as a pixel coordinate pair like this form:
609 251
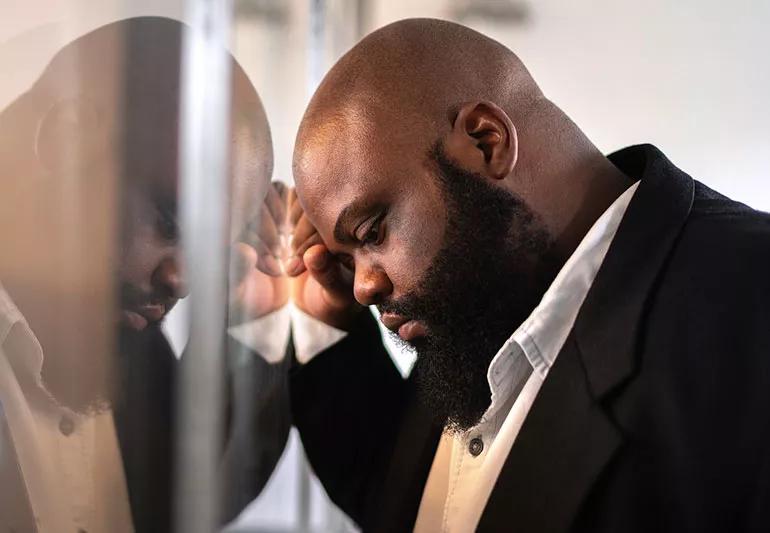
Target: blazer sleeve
256 425
348 404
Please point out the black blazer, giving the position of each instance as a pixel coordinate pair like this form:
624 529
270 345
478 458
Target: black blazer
255 430
655 416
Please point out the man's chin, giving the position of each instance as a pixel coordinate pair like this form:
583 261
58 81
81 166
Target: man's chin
133 320
136 322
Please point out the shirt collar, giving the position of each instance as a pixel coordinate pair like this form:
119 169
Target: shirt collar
9 314
27 357
541 336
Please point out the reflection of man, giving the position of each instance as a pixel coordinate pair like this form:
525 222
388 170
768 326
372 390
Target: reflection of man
591 332
84 433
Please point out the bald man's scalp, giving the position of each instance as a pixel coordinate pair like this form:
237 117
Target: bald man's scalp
420 70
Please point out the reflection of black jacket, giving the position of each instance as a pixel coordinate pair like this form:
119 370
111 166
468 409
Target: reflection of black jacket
655 416
257 415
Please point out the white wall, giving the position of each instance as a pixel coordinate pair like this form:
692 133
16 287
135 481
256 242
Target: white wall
691 76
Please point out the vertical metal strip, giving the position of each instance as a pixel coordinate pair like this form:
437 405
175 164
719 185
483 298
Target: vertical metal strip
204 154
315 70
316 44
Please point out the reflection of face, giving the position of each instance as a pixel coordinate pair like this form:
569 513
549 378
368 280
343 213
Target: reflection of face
96 134
453 263
151 279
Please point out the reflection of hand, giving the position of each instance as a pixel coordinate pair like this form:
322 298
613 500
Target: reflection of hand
321 286
258 284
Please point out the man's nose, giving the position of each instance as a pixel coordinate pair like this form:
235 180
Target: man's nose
169 277
371 285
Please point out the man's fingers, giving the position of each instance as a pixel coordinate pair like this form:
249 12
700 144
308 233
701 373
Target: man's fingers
296 264
328 272
267 232
303 232
264 259
277 202
295 208
242 260
270 265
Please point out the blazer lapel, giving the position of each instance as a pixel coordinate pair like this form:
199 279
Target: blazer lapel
563 445
569 435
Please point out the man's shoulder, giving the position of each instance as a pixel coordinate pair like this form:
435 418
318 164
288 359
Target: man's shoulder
722 236
711 301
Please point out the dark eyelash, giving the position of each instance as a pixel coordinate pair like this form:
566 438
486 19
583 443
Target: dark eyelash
376 225
167 224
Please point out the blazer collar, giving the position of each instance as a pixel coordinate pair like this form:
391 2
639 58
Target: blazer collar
568 437
607 326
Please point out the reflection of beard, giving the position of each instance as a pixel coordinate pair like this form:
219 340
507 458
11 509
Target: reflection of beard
143 359
492 270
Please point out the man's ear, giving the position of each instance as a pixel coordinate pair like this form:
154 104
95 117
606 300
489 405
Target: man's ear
483 139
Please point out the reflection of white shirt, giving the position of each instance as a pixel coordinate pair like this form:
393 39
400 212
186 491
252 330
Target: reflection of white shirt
70 464
465 467
269 335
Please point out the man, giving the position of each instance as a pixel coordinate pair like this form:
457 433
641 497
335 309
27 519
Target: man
86 436
593 349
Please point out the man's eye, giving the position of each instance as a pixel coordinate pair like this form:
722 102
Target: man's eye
374 234
167 225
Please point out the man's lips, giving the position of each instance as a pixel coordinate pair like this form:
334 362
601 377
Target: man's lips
407 329
140 316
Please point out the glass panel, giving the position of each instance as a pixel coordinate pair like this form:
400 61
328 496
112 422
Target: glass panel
159 368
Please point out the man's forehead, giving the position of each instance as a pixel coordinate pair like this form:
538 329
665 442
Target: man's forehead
324 195
328 163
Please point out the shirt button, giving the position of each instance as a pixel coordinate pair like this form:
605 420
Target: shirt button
476 446
66 426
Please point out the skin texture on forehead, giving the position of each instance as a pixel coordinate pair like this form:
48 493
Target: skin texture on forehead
395 93
422 67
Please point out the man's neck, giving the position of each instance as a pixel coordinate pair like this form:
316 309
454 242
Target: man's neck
600 183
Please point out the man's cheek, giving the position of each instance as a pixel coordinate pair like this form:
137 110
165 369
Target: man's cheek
405 270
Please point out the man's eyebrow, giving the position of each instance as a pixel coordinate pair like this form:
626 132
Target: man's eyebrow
344 220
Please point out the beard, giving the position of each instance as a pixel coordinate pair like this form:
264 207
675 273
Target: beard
494 266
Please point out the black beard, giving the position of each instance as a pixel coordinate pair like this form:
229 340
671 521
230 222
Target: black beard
493 268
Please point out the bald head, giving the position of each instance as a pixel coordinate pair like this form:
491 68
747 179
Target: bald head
418 71
403 87
421 83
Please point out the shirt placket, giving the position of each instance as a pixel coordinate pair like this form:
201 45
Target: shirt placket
75 438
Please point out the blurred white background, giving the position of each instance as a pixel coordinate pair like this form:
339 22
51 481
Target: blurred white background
690 76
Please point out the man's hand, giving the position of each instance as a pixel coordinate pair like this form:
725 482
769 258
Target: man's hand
259 285
322 287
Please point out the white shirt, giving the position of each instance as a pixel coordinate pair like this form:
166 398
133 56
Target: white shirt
70 464
269 335
465 467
